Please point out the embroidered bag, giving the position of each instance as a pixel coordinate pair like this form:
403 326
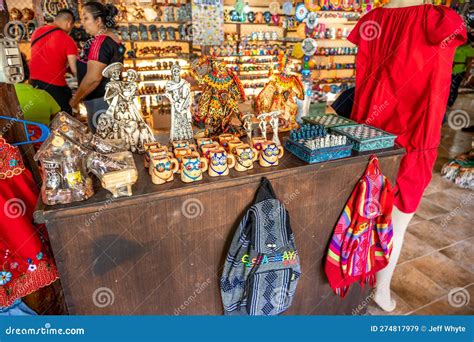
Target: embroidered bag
262 267
362 240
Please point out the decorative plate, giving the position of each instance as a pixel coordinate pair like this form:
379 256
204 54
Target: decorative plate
301 12
309 46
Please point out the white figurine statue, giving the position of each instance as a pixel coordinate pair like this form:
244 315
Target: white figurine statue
248 125
178 92
122 119
273 119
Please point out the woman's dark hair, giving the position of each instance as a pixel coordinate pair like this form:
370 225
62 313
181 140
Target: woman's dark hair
106 13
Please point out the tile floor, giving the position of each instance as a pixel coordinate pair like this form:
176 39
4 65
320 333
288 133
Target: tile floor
435 272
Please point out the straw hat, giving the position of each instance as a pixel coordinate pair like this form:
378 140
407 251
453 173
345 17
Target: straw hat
107 72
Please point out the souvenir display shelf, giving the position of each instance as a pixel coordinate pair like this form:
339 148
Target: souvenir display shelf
334 59
153 248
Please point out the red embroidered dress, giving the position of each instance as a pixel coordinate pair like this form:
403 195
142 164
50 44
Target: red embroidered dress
404 63
24 265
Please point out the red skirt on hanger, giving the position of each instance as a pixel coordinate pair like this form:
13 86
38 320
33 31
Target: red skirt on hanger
404 63
24 265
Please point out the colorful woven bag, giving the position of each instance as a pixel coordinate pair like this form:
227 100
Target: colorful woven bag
362 240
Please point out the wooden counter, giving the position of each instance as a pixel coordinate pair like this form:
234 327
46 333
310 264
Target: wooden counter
161 251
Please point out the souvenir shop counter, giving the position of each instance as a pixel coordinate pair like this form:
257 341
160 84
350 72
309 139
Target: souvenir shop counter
161 251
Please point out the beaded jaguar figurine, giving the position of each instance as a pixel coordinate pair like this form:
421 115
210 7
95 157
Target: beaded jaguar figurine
222 91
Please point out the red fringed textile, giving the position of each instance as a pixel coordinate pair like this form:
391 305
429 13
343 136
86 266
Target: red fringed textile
362 240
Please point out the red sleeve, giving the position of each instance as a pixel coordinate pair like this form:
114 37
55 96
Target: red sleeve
444 26
71 47
96 46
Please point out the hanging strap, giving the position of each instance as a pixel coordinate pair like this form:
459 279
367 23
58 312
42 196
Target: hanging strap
33 42
373 168
265 191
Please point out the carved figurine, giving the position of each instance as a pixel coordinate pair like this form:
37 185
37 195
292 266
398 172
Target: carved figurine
273 119
280 94
178 92
248 125
221 94
123 13
122 119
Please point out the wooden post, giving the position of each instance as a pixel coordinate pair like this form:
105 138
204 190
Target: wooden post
11 107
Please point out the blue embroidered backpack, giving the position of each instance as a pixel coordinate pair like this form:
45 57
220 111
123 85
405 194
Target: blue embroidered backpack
262 268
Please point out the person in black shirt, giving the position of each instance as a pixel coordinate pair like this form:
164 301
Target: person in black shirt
102 49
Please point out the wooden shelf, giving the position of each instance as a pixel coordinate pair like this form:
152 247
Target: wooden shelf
157 41
152 22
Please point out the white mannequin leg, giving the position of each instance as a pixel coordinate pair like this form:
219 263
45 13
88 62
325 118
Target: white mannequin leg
382 294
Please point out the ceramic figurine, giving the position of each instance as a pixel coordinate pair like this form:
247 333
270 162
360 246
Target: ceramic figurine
162 168
192 167
248 125
244 157
122 119
224 139
221 93
270 154
178 92
220 163
133 33
280 93
232 144
180 152
162 32
204 141
148 147
179 144
171 33
274 122
205 149
143 32
262 124
257 142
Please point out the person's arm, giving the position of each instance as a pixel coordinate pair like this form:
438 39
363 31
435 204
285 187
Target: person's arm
71 53
71 60
90 81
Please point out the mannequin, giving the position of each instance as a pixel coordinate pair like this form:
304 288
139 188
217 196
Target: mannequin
405 3
400 221
415 109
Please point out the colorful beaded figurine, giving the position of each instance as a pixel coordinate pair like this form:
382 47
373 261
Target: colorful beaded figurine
222 91
280 93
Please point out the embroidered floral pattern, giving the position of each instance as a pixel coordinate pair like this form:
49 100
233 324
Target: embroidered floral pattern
5 277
